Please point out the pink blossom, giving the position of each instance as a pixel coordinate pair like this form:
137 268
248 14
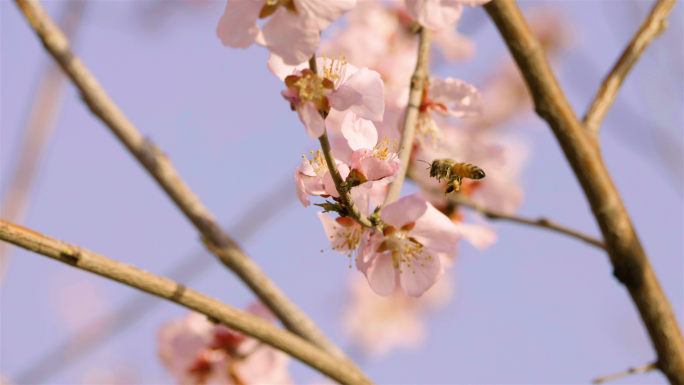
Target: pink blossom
374 162
345 235
196 351
438 14
312 175
292 32
380 324
337 85
443 99
408 251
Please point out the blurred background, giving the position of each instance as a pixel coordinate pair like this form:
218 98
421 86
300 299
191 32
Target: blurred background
535 307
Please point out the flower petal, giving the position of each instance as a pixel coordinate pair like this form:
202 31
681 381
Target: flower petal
290 37
361 198
434 14
344 97
381 275
479 236
301 191
313 122
278 67
370 86
360 133
436 231
331 228
463 99
404 211
238 27
323 12
375 169
415 280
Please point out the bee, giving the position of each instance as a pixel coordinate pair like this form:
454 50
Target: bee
454 173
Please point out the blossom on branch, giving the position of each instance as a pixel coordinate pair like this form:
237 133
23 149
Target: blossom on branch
293 31
337 85
196 351
345 235
409 251
438 14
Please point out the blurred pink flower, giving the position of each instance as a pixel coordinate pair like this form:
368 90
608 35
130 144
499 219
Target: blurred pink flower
337 85
292 33
446 98
438 14
409 250
380 324
196 351
374 163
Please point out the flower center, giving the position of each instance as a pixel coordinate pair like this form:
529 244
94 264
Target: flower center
382 150
318 163
352 234
406 251
310 87
336 70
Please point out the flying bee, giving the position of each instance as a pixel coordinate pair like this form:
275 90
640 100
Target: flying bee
454 173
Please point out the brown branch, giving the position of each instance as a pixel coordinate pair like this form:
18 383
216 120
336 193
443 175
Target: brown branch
653 26
264 331
346 200
39 126
630 263
419 82
160 167
541 222
637 369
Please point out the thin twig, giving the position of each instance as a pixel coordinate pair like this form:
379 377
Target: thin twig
630 263
653 26
636 369
139 305
544 223
346 200
39 126
160 167
256 327
419 82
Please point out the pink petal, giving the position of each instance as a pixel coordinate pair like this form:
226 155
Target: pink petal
290 37
436 231
344 97
417 279
381 275
375 169
360 133
359 155
237 27
313 185
301 191
323 12
361 198
404 211
454 46
314 123
434 14
330 183
479 236
331 227
463 99
370 86
278 67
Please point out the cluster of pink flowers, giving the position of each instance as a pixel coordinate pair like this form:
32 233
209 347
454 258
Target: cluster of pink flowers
196 351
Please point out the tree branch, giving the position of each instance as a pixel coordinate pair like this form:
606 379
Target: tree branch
346 200
631 265
541 222
341 371
160 167
637 369
653 26
419 82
